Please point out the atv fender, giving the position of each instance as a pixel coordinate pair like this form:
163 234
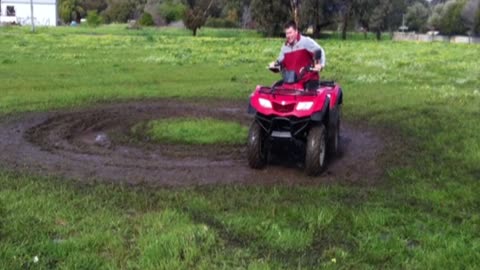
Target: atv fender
319 116
250 109
334 113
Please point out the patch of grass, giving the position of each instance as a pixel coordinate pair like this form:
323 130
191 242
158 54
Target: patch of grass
192 131
179 243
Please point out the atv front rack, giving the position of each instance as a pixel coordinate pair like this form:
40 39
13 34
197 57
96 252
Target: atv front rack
277 89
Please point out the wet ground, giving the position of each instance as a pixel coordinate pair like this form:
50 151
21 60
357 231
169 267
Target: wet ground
92 145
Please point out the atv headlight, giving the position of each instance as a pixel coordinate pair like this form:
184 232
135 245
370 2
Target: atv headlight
265 103
304 106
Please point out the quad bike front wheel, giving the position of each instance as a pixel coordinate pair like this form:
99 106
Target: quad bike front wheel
316 150
256 147
334 139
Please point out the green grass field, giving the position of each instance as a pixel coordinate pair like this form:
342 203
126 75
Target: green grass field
424 98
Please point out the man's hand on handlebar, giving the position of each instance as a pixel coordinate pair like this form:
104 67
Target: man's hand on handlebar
274 64
274 67
316 68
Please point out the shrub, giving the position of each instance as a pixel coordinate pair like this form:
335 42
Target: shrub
220 23
119 11
93 19
172 11
146 19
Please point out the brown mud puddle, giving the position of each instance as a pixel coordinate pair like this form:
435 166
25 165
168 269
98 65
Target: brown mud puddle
79 145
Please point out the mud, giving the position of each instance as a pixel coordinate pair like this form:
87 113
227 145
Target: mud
92 145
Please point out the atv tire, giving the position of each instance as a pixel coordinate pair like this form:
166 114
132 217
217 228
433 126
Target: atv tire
256 147
316 151
334 139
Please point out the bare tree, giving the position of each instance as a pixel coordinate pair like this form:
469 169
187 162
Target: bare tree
196 14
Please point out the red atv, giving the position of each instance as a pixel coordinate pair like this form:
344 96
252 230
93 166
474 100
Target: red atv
287 111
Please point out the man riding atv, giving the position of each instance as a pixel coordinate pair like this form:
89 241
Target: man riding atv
302 55
299 110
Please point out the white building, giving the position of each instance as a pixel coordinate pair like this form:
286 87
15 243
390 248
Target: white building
19 11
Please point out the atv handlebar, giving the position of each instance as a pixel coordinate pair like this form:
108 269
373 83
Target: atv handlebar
278 68
275 67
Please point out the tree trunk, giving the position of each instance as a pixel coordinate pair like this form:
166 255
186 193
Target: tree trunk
316 31
379 35
346 17
194 31
344 27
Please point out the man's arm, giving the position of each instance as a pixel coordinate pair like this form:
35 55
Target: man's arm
279 60
281 56
318 52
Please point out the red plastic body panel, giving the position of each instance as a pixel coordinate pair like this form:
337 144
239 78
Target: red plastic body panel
284 103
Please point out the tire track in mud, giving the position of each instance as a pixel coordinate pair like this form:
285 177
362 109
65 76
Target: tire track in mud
77 145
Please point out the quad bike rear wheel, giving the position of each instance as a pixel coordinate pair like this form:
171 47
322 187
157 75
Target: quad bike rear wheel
316 150
256 150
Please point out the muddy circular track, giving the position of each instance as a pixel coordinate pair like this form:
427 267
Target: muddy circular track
79 145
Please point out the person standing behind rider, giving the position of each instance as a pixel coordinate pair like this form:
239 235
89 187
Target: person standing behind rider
302 55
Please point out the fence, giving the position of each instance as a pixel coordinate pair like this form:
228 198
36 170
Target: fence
432 38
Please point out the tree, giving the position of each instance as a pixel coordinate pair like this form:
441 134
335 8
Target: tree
152 7
118 11
416 17
196 14
71 10
469 13
476 24
271 15
451 20
98 5
345 13
123 10
434 21
399 10
317 13
436 2
379 16
235 10
247 20
372 15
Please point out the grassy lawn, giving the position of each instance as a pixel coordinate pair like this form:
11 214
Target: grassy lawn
425 213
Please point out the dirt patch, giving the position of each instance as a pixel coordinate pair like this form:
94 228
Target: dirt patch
82 145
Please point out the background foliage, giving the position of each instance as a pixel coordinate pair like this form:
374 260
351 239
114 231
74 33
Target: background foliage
449 17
